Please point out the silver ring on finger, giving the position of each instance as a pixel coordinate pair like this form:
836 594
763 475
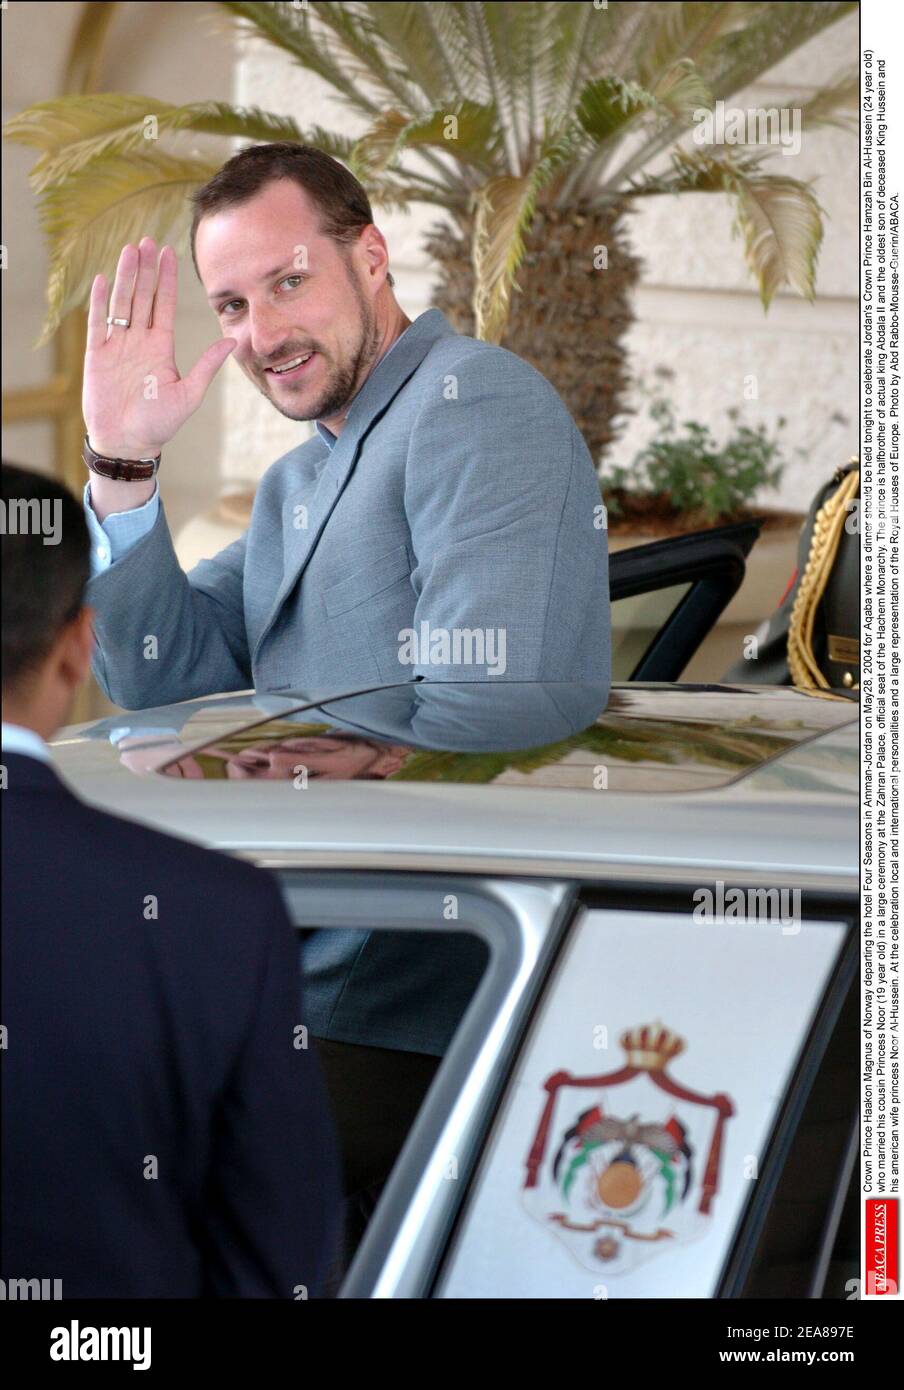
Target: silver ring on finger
120 323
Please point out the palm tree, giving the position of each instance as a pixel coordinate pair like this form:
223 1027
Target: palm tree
534 127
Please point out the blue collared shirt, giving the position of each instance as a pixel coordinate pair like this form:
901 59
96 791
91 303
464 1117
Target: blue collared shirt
15 738
326 435
111 538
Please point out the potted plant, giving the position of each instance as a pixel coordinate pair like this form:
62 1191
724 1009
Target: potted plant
684 479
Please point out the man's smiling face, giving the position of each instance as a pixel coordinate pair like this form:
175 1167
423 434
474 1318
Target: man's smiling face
281 302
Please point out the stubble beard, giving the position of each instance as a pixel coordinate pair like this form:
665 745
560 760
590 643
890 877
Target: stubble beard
348 377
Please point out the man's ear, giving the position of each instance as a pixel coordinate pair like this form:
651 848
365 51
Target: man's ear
77 646
374 251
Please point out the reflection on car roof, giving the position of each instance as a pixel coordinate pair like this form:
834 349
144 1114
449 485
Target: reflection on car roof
648 738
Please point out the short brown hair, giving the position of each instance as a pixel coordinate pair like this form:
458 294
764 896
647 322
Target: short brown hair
343 205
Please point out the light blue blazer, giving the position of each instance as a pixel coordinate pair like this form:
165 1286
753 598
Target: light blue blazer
454 531
459 500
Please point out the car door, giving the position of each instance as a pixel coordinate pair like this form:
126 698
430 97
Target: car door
744 1099
668 595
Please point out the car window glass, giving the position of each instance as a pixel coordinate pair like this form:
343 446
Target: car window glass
636 621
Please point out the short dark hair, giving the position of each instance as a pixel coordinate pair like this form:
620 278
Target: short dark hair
343 205
43 584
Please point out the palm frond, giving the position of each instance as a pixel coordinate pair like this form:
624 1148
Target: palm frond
571 53
674 32
398 194
608 104
474 141
88 219
428 44
289 28
607 107
356 39
486 44
504 208
836 104
511 30
757 35
73 131
681 90
696 173
626 38
583 43
610 107
769 32
779 218
781 222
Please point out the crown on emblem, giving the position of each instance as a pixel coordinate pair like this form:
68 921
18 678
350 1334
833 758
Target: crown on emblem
651 1047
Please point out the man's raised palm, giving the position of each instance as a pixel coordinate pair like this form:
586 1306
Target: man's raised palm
133 398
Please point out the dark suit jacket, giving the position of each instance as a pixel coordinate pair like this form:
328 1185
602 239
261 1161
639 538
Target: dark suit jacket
162 1135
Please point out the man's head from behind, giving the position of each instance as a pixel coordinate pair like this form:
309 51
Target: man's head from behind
284 244
47 637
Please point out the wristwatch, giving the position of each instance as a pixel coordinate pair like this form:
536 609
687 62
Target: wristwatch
120 470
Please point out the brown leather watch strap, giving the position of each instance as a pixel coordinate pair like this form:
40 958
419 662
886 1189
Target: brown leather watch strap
120 470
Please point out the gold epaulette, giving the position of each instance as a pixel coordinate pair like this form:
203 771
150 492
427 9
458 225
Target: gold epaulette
828 528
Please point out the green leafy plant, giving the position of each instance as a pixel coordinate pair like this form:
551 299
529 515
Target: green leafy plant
683 479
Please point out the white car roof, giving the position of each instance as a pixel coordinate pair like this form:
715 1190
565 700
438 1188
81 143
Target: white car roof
668 779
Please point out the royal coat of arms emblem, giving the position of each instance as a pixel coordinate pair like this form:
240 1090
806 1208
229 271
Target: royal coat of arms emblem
636 1170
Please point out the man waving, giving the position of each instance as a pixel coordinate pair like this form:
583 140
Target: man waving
444 520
